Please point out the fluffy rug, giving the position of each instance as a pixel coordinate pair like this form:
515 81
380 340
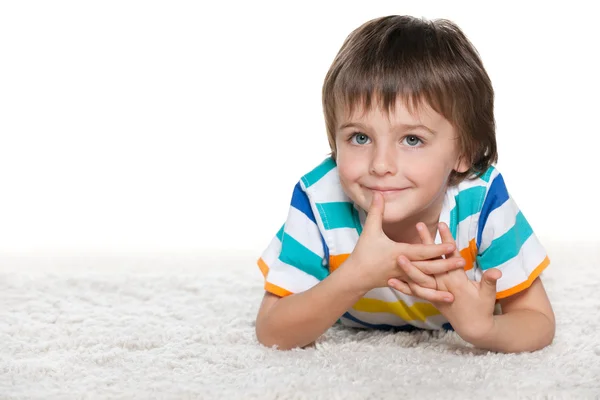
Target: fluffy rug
182 326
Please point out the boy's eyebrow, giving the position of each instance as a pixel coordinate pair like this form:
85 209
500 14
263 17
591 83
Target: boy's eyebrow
399 126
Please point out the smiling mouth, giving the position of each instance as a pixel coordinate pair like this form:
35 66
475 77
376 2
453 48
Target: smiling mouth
387 192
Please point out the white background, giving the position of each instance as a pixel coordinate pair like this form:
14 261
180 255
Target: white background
184 126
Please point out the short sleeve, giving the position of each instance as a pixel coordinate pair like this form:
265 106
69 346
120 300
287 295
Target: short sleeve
506 241
296 258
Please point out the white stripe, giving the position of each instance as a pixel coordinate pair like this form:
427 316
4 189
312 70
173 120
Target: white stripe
305 231
348 322
327 189
499 221
290 278
342 240
465 231
517 270
272 252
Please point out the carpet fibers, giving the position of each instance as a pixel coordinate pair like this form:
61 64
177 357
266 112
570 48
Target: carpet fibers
182 326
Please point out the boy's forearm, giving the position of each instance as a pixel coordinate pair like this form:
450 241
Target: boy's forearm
518 331
299 319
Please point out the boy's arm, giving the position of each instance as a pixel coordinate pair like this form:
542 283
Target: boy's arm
299 319
526 324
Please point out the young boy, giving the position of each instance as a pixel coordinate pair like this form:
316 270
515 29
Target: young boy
409 114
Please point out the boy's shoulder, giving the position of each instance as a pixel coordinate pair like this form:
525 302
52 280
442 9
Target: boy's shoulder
325 171
470 195
484 179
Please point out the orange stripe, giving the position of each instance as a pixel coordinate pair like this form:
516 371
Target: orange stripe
524 285
269 287
336 261
468 253
263 267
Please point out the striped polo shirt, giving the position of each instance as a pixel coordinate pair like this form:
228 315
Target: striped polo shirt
323 226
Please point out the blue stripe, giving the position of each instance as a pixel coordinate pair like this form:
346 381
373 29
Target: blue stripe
401 328
300 201
294 253
447 327
496 196
320 171
506 246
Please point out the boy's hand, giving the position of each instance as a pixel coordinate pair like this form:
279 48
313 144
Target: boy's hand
375 259
418 280
472 312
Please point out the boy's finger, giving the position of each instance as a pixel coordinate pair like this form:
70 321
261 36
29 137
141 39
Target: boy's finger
488 282
400 286
431 295
440 265
446 237
415 275
375 214
417 252
424 233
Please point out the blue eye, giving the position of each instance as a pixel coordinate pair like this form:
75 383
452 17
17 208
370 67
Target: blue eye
412 141
359 138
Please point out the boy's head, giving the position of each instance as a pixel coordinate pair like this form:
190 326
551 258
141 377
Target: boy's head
420 63
408 105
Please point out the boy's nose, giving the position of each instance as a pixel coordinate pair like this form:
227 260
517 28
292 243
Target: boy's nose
384 162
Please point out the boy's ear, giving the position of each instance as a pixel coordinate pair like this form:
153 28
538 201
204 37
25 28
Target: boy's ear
461 165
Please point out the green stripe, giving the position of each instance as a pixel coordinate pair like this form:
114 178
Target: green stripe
280 233
453 223
357 224
506 246
469 202
313 176
294 253
486 175
337 214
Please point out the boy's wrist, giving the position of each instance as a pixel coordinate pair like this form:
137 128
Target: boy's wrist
350 279
483 338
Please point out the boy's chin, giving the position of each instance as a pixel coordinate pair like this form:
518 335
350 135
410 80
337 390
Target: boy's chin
394 218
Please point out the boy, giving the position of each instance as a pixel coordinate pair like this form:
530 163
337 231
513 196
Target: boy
409 114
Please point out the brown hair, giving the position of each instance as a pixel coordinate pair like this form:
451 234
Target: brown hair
418 61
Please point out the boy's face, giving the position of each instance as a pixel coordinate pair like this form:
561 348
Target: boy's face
407 157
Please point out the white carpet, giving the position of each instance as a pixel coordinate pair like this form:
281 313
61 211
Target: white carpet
178 327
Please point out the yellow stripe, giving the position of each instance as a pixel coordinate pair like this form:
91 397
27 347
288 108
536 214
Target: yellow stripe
336 261
524 285
418 311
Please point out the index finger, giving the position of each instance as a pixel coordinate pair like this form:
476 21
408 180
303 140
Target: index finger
446 237
424 233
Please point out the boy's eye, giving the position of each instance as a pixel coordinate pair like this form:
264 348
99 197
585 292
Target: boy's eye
412 141
360 138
